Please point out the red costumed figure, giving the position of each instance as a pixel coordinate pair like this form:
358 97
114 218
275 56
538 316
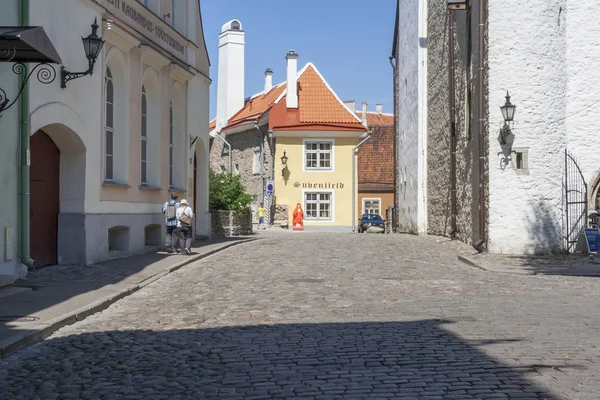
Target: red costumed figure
298 218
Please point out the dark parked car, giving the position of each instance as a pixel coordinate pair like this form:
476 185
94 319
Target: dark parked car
370 220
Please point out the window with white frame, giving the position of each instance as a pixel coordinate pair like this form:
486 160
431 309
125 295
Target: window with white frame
109 126
256 162
318 154
144 140
372 206
171 141
318 206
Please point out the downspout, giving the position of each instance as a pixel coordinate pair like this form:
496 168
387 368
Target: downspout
262 162
354 180
396 205
480 245
24 135
453 205
271 173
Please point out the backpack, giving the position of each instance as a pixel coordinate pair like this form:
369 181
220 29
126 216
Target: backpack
171 212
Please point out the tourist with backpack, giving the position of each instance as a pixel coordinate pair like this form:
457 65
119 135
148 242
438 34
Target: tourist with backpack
185 217
170 211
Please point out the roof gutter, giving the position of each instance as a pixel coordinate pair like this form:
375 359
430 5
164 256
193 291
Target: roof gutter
366 137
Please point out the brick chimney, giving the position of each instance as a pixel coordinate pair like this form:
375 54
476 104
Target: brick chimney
351 104
268 80
364 113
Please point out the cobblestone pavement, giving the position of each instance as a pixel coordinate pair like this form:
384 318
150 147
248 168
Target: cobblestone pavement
325 316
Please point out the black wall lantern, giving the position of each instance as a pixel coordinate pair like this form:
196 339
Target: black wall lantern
506 137
284 159
92 44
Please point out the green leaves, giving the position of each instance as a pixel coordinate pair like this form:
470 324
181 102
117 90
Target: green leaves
227 193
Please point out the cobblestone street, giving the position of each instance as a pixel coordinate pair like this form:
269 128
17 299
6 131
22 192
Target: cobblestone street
327 316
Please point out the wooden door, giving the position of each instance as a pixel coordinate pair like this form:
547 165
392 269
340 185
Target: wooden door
45 200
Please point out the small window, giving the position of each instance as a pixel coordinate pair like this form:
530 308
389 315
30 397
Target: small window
256 163
520 161
372 206
318 206
235 25
318 155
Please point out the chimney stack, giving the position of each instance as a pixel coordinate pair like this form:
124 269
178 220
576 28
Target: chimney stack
364 113
379 108
292 76
230 85
268 80
351 104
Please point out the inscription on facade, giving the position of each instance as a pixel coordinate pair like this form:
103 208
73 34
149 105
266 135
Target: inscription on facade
315 185
125 8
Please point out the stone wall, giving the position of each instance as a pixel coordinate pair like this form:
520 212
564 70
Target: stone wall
230 223
281 216
438 120
243 146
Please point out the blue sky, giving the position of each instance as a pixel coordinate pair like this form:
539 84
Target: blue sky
349 41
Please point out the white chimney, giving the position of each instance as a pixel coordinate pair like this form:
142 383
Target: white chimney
292 76
379 108
351 104
364 113
268 80
230 85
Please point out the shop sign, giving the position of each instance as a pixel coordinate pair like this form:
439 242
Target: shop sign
317 185
138 17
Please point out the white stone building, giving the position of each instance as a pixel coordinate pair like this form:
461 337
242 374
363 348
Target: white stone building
107 149
543 53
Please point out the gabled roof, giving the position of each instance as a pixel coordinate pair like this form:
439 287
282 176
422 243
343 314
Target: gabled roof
317 103
376 157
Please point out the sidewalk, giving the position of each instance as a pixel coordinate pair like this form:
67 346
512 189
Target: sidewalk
551 264
52 297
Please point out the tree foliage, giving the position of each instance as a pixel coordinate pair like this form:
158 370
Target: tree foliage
227 193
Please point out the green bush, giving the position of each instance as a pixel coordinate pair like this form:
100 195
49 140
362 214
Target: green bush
226 193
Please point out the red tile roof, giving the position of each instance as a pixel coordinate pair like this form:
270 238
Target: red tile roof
212 125
374 118
257 105
376 156
317 103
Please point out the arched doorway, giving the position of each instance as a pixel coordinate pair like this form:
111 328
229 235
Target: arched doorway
57 201
45 199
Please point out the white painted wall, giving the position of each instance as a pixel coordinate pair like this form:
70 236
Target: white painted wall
230 85
412 121
541 51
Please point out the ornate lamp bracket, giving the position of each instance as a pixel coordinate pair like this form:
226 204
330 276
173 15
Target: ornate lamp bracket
45 73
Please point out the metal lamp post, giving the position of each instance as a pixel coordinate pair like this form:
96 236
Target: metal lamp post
92 45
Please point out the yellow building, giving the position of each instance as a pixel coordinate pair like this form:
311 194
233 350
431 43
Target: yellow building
301 138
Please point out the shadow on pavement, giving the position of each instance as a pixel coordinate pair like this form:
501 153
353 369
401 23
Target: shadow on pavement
417 359
61 289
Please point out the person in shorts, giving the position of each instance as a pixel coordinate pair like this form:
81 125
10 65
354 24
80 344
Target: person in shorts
260 212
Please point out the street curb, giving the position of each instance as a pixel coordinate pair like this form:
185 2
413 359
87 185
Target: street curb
47 328
501 269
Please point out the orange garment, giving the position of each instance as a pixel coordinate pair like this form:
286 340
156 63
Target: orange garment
298 219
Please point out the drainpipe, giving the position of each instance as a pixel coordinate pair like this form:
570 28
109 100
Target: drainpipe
480 245
396 205
453 205
24 134
262 162
218 135
271 172
368 136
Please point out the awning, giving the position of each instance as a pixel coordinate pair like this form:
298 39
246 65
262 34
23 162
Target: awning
26 44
